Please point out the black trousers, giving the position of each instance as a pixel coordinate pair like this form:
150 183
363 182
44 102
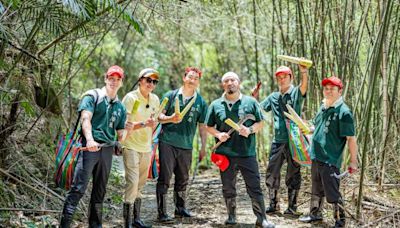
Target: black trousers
175 161
324 183
280 152
248 167
98 164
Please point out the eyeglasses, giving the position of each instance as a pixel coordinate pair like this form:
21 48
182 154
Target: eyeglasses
149 80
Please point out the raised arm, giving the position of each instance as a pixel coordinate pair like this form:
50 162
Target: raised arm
304 79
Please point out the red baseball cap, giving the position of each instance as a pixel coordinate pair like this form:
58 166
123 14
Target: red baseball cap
333 81
115 70
220 160
283 70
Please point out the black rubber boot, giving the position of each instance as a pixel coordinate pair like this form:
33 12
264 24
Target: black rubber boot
180 205
231 208
274 202
66 216
162 209
127 213
316 206
292 203
258 209
95 215
68 212
66 220
137 222
339 215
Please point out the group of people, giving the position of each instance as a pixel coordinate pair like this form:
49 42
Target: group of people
131 122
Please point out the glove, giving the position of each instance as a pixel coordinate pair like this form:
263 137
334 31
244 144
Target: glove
118 148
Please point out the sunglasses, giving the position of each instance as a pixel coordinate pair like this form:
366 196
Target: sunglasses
149 80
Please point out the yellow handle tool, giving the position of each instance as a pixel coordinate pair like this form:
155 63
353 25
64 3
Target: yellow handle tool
161 108
232 124
297 120
187 107
177 108
135 108
304 62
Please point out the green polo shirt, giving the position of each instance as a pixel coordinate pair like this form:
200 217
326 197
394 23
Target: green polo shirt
294 98
109 116
236 145
332 126
181 134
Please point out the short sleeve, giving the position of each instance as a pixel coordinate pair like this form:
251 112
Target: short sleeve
203 112
346 125
266 104
257 112
121 124
87 103
128 102
210 116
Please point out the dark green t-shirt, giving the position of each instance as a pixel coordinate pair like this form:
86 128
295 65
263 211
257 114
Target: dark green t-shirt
272 103
332 126
236 145
181 134
109 116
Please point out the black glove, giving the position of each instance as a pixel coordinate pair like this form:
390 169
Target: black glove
118 148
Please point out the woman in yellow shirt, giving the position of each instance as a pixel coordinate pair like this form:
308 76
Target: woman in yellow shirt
141 105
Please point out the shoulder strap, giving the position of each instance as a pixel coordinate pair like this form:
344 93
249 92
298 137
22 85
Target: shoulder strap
95 94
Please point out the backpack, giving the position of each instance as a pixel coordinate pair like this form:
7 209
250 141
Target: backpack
68 148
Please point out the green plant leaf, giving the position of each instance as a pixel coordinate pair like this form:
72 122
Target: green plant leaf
28 108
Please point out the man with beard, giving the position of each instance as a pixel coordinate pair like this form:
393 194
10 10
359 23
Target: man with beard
102 116
334 126
239 147
276 102
176 143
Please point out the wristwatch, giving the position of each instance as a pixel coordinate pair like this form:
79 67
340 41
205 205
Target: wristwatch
251 129
142 124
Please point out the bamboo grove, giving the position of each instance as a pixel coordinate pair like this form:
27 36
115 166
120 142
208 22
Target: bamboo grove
51 51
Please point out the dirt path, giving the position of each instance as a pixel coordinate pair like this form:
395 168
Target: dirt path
206 203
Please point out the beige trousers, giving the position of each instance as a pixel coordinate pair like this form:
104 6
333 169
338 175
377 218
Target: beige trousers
136 171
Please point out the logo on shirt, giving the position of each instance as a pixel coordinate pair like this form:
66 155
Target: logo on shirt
328 122
114 117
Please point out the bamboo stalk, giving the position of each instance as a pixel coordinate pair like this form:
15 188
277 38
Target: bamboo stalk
374 68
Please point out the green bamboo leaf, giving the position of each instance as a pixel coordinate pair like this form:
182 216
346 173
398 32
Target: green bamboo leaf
128 17
28 108
82 8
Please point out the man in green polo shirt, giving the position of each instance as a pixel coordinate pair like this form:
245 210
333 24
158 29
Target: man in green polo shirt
176 142
334 127
276 102
102 116
239 147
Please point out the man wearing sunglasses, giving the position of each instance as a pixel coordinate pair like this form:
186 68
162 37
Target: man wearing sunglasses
276 102
137 144
176 142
